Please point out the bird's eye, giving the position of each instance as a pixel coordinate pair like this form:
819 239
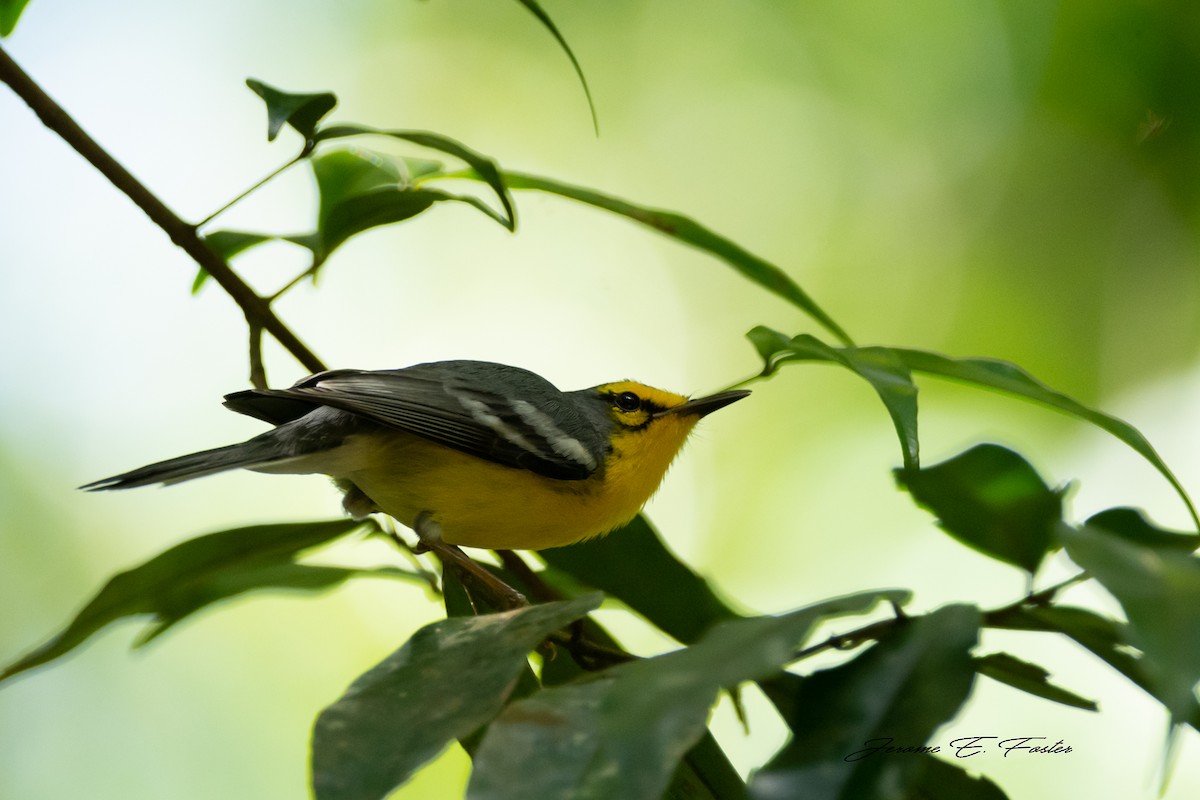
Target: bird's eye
627 401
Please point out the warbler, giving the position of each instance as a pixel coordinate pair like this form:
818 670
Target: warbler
486 455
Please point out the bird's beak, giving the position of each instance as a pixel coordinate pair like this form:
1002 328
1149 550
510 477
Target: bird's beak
706 405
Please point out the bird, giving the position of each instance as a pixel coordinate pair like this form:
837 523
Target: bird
468 453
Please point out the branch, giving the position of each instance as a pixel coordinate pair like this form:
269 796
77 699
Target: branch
258 372
851 640
182 234
876 630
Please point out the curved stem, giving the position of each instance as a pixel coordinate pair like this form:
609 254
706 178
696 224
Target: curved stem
182 234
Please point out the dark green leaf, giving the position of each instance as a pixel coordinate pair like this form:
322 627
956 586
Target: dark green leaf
895 694
301 111
623 733
1159 589
888 376
781 690
548 23
991 499
485 168
633 565
1132 525
1008 377
706 774
450 678
542 746
460 604
10 12
690 232
1104 637
1028 678
196 574
454 596
360 190
362 212
939 780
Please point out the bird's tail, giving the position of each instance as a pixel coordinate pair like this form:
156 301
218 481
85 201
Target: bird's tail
254 452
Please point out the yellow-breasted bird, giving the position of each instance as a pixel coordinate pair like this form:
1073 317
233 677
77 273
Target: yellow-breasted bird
478 454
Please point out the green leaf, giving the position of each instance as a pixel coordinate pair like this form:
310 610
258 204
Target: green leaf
10 12
690 232
1131 525
1028 678
474 202
422 168
197 573
897 694
1007 377
706 774
1103 637
454 596
991 499
939 780
228 244
301 111
450 678
360 190
776 349
633 565
353 215
623 733
520 757
484 167
1159 589
201 278
309 241
877 365
548 23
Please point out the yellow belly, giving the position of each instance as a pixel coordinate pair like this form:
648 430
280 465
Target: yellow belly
482 504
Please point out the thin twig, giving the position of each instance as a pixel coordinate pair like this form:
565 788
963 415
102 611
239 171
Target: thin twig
848 641
274 174
310 270
589 654
54 117
876 630
1039 598
388 528
541 592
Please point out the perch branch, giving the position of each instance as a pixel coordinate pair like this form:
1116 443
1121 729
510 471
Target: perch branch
182 234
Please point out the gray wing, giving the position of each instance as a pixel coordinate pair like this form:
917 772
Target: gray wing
503 414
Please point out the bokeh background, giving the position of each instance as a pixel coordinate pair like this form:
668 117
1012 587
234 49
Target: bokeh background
1010 179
